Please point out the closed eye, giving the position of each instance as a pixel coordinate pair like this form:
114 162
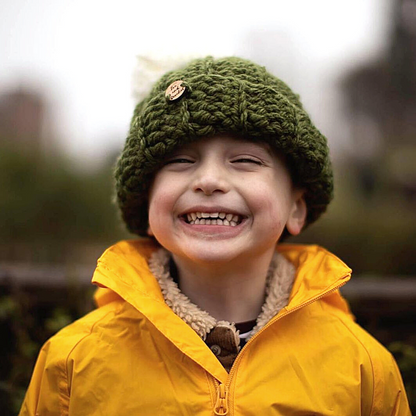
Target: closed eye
178 160
248 160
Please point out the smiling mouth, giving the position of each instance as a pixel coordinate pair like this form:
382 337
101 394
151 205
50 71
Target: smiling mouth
212 218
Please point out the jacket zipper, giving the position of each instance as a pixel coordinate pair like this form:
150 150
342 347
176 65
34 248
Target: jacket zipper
222 404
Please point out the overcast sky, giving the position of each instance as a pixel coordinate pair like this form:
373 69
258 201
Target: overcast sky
82 52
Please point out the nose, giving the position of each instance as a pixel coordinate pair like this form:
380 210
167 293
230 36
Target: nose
211 178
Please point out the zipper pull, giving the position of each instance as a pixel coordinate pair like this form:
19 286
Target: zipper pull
221 407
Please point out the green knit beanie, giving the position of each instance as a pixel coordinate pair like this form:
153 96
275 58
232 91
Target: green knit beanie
217 96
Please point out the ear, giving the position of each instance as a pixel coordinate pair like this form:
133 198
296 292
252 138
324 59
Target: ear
297 215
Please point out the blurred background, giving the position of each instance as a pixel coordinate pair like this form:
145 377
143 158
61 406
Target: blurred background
69 78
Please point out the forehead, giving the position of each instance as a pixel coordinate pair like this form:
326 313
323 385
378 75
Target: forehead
227 142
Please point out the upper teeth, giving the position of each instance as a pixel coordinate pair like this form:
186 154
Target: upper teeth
218 218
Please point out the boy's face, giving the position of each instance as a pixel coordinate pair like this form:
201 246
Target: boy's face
242 184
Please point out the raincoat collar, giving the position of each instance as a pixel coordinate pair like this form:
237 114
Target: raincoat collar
319 273
123 272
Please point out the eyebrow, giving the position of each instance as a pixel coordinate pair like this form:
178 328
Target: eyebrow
262 146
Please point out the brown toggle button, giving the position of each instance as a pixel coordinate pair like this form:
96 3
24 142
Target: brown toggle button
175 90
216 349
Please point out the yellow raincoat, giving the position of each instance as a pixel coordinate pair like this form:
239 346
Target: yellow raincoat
134 356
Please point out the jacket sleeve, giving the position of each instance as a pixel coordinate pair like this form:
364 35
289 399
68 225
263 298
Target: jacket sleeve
390 395
48 392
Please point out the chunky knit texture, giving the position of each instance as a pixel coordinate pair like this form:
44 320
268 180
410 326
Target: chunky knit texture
229 95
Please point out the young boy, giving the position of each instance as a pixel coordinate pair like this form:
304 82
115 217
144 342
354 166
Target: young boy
210 315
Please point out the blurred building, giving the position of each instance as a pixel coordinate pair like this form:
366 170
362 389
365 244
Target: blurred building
381 102
24 120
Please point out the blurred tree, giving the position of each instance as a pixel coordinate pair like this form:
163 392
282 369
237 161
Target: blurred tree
46 204
372 222
381 102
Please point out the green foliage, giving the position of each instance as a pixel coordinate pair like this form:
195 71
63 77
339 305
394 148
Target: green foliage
373 234
24 326
47 199
59 319
48 207
405 356
18 351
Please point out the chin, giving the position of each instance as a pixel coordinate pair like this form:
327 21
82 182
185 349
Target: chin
209 253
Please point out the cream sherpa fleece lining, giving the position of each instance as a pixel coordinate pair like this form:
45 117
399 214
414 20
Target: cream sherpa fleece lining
279 283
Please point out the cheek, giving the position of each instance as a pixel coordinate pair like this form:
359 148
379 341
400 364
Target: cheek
270 207
157 219
159 208
163 197
154 209
265 195
161 194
